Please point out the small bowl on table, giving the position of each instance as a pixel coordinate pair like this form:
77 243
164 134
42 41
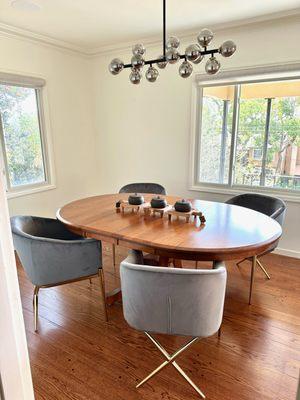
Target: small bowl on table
136 199
183 206
158 202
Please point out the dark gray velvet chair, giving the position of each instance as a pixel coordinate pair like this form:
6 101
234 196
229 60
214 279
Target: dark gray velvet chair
51 255
172 301
272 206
154 188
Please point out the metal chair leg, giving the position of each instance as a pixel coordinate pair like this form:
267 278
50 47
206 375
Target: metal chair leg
263 269
259 264
36 306
254 259
170 359
196 264
114 256
240 262
102 288
188 379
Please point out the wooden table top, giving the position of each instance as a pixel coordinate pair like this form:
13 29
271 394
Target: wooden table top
230 232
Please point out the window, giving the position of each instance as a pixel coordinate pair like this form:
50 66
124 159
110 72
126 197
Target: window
257 154
248 135
23 143
216 124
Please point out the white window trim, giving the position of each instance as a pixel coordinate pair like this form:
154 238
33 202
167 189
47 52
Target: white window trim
233 76
37 83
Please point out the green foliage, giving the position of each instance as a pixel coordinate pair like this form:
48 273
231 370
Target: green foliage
21 135
211 136
284 132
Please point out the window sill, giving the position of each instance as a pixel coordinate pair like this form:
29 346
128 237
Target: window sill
29 191
283 194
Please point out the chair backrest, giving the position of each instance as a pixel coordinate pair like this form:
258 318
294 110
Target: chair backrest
154 188
173 301
39 227
51 254
268 205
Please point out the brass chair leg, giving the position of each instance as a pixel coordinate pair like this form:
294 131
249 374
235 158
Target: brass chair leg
240 262
263 269
170 359
36 306
102 288
259 264
188 379
254 259
114 256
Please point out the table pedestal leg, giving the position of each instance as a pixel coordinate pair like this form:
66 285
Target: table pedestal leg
166 261
177 263
163 261
116 295
113 297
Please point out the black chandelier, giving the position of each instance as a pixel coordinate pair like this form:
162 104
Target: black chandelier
194 53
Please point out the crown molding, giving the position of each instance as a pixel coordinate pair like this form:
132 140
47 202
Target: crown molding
153 41
186 35
23 34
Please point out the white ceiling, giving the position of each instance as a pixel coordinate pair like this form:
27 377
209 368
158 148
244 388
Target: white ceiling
91 24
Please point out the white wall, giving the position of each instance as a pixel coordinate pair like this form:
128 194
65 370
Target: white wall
68 90
143 132
107 132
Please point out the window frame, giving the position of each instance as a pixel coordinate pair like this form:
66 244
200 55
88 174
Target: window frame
38 85
235 77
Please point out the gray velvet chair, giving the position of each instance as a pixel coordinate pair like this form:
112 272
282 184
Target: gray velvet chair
272 206
154 188
184 302
51 255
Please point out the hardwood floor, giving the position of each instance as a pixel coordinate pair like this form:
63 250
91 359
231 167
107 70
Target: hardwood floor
76 355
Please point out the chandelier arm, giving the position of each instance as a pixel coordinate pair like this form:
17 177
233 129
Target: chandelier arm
149 62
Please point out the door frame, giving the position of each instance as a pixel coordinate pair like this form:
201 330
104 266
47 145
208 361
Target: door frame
15 373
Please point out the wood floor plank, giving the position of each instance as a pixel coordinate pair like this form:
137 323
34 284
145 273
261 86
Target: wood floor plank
77 356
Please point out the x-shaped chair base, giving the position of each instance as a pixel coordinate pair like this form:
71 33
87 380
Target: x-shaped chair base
170 359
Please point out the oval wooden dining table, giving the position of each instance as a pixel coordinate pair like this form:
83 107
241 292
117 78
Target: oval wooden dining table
230 232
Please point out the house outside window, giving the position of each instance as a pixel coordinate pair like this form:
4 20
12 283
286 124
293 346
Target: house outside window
257 154
248 135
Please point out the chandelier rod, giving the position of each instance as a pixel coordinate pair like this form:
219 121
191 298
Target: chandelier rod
181 56
164 29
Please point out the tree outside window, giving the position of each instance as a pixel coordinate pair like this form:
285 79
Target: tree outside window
266 148
22 146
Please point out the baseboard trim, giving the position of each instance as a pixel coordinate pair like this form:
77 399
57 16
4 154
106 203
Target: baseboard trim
286 252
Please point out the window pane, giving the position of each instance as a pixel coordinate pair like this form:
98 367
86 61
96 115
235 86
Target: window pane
22 139
283 158
250 139
268 138
215 139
